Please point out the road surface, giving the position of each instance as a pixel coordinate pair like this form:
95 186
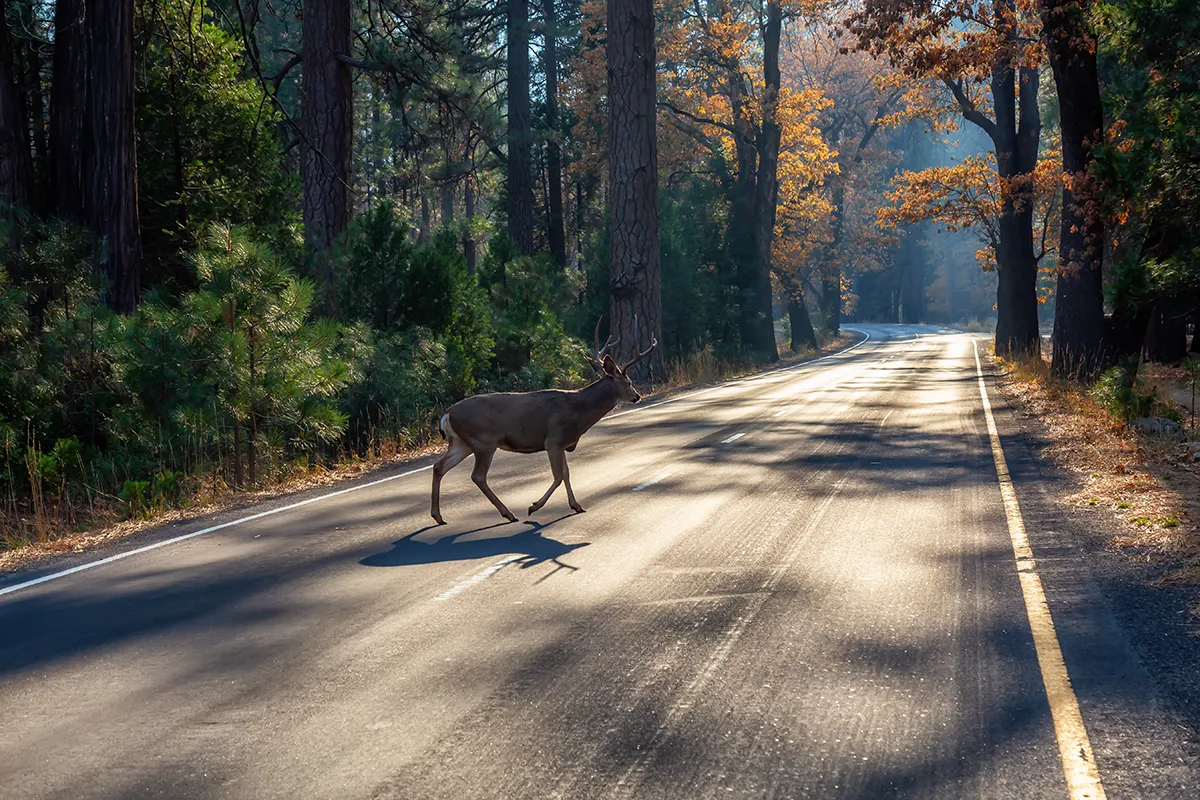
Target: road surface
801 584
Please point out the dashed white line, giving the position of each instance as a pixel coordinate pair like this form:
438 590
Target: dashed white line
733 438
741 381
478 577
16 587
652 481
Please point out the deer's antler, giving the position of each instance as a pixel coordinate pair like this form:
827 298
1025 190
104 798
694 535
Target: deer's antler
644 353
598 358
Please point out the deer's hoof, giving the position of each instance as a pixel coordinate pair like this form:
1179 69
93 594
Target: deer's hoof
580 509
439 520
511 517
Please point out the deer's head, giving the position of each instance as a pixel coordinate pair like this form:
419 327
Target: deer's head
609 370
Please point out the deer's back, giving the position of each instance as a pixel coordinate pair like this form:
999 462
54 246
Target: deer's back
519 422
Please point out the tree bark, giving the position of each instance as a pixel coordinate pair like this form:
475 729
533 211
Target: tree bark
557 235
468 242
635 280
33 103
327 121
15 167
912 278
1016 146
520 154
425 231
447 198
67 101
800 324
766 191
1166 336
831 269
1078 341
741 252
110 159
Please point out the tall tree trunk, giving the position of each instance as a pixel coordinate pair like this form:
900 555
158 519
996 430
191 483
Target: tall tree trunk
1016 145
67 102
374 161
15 168
557 235
520 155
327 121
110 159
34 105
635 280
741 253
1166 335
468 242
831 269
912 280
802 334
424 231
766 192
1079 325
447 198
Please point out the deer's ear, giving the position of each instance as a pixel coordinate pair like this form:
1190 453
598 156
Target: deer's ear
610 366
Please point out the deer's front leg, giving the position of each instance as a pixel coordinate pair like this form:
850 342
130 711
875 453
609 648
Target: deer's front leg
566 475
558 460
483 461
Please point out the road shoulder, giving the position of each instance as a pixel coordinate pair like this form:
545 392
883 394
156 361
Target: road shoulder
1131 650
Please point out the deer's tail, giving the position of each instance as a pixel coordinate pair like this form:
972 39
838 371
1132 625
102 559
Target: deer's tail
444 427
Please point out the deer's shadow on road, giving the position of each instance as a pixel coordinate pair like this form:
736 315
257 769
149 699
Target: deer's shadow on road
528 543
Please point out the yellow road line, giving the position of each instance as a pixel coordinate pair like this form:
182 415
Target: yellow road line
1074 747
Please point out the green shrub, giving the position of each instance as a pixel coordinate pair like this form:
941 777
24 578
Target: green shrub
136 497
1119 393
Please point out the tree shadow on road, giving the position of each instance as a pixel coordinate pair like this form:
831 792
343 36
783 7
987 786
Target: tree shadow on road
528 543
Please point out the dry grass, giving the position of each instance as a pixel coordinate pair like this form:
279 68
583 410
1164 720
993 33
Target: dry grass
102 525
1150 486
48 528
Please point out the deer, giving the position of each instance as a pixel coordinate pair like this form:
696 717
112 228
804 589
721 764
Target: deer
530 422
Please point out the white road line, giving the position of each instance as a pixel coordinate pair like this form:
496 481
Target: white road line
741 380
478 577
733 438
652 481
16 587
1074 746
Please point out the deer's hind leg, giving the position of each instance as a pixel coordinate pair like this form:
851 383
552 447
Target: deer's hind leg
457 452
483 462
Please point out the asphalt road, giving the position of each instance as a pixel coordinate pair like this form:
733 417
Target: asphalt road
796 585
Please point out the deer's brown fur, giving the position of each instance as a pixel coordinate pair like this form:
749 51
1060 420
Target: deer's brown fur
529 422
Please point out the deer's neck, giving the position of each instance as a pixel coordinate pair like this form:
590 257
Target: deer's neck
595 400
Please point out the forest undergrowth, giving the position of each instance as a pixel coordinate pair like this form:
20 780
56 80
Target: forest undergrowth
49 519
1148 484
